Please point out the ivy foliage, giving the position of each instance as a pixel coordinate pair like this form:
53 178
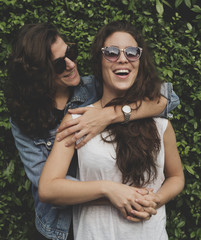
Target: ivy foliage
173 31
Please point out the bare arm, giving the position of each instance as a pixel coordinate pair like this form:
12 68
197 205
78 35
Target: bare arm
174 182
94 120
174 176
55 189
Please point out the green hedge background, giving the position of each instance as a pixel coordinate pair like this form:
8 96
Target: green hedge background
173 29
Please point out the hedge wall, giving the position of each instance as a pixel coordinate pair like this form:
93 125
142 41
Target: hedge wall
173 29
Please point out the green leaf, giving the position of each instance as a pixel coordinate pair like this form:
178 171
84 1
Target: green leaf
188 3
181 224
189 26
166 3
125 2
177 3
159 7
27 185
189 169
196 8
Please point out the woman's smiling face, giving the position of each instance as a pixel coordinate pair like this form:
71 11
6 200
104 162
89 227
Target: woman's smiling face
119 76
70 76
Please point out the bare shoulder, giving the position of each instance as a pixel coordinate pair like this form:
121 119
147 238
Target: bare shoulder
169 132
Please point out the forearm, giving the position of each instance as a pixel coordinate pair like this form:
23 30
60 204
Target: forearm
68 192
170 189
147 109
97 202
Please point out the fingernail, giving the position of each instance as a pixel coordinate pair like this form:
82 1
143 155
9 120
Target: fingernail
66 145
58 139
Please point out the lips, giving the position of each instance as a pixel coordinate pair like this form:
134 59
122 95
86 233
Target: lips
122 72
70 74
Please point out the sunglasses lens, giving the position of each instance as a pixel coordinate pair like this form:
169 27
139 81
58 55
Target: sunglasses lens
60 64
72 52
111 53
132 53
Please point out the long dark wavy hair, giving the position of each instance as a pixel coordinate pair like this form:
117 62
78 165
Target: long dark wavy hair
31 88
138 142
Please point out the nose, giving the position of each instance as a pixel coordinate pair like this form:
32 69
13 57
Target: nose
69 64
122 57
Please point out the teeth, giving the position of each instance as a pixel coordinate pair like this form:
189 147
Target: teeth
119 71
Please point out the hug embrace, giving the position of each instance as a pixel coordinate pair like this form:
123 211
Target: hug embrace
128 163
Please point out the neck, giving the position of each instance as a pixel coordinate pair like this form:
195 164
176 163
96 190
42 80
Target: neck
109 95
61 97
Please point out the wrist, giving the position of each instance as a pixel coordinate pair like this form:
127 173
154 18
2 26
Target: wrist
106 187
158 201
110 115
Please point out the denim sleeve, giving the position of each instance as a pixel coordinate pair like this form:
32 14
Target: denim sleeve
30 154
33 154
173 99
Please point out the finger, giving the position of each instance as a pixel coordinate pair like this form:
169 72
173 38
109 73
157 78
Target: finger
81 135
150 210
67 132
143 191
146 203
84 141
141 215
67 124
123 211
128 209
137 206
80 110
133 219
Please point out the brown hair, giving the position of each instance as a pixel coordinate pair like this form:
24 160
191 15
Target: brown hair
138 142
31 84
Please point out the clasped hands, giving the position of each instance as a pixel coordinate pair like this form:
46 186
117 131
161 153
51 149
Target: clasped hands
147 205
135 204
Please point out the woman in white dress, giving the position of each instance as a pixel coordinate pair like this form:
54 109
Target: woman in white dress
137 157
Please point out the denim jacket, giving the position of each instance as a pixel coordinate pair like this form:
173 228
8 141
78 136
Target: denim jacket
53 221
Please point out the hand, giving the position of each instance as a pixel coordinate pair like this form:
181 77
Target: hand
126 199
93 121
151 199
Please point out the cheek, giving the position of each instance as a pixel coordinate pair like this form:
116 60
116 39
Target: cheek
106 70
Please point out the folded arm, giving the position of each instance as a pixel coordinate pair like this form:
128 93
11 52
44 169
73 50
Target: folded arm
55 189
94 121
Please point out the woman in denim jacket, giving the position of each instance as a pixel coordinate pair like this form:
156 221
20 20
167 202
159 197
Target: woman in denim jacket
43 84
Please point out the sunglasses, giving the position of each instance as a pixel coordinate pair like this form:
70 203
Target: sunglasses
112 53
60 63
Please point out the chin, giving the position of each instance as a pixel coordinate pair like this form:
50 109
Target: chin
75 82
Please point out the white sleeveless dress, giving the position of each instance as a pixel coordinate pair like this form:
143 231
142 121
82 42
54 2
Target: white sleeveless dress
97 162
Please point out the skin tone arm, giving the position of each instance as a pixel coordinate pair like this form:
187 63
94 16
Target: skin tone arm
174 182
174 175
94 120
55 189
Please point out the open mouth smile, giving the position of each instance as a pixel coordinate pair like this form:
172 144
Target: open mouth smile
122 72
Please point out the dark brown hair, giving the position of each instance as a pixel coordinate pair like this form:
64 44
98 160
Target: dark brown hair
31 84
138 142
